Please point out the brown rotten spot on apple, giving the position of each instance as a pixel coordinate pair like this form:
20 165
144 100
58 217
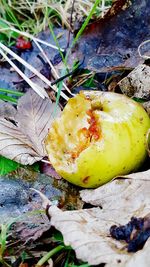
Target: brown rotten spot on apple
87 134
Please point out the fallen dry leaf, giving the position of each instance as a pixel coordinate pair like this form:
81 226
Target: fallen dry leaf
141 258
136 83
34 118
15 145
121 191
7 110
87 231
23 142
112 42
31 228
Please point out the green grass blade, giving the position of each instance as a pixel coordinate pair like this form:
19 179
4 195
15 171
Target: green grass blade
8 98
13 92
73 43
85 22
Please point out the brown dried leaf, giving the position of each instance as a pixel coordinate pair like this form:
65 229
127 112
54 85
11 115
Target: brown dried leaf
123 192
15 145
34 118
136 84
31 228
23 142
112 42
7 110
87 231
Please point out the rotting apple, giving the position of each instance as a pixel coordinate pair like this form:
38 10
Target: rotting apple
99 135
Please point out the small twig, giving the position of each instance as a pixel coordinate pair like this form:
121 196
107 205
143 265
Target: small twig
68 74
62 78
83 80
42 60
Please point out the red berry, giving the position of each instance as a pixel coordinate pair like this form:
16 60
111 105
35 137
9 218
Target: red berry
23 44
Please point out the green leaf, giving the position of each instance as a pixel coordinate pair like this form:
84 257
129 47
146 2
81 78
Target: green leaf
57 236
7 165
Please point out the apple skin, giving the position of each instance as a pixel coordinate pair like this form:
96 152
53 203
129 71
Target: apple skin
100 135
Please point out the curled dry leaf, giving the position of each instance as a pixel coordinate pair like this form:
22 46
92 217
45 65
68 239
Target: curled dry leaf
87 231
23 142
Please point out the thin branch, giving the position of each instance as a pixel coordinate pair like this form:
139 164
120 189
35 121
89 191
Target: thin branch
68 74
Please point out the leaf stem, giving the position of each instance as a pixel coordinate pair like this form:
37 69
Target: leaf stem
49 255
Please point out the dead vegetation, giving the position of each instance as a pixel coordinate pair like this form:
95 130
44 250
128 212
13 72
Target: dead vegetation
64 55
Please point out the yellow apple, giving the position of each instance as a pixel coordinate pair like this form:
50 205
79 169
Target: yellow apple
99 135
